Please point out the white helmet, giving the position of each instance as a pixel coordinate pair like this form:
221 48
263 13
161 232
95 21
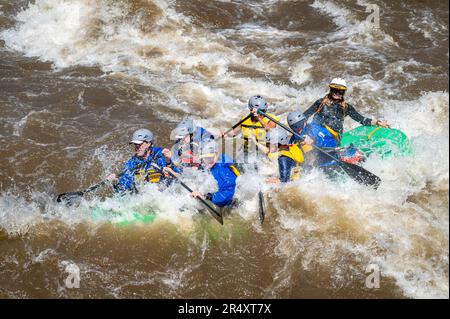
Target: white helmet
338 83
141 135
185 127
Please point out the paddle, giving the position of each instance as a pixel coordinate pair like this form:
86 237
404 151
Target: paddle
356 172
236 125
71 198
261 207
212 210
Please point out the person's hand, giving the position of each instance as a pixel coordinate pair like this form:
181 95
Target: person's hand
167 153
307 140
197 195
112 178
382 124
222 133
273 180
167 171
254 112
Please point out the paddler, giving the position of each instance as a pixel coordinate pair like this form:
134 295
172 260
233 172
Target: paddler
256 126
188 137
312 134
288 155
331 110
138 167
223 170
315 134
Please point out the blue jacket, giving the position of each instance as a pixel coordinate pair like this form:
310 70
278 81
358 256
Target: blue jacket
322 138
134 164
226 180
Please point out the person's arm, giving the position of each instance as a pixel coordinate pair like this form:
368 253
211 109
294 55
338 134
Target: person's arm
126 180
351 111
312 109
355 115
173 170
320 137
234 132
263 148
166 164
227 186
380 123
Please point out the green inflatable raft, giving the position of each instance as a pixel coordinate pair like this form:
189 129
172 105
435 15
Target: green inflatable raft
384 142
123 216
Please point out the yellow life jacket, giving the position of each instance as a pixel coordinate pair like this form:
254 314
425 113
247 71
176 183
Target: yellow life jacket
294 152
250 128
150 175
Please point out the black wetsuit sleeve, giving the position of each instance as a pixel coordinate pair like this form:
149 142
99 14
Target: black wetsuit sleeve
351 111
312 109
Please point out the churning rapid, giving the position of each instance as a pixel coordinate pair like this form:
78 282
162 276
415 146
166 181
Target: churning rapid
77 77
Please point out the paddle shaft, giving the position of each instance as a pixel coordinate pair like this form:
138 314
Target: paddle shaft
237 124
296 134
93 187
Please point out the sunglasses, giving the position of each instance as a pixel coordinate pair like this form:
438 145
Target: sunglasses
337 91
208 159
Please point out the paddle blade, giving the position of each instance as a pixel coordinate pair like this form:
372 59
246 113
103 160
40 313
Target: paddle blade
361 175
70 199
216 214
261 207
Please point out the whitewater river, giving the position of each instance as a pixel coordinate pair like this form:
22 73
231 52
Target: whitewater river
77 77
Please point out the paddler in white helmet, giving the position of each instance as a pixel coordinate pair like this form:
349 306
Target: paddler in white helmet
331 110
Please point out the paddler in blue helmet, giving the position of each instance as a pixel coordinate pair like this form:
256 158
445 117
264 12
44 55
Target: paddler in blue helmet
138 167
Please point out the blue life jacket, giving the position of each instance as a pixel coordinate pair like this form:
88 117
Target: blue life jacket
225 174
322 138
135 164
